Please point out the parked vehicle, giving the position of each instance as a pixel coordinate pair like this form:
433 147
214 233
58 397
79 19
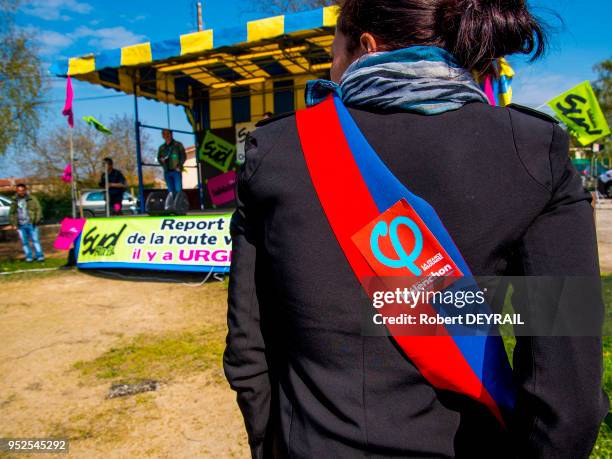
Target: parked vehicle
5 205
604 184
93 203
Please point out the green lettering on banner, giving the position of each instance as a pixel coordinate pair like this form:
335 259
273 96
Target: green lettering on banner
217 152
579 110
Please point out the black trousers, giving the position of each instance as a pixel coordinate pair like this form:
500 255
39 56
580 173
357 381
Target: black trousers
115 203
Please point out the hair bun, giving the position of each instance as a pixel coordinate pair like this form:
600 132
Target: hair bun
479 31
475 31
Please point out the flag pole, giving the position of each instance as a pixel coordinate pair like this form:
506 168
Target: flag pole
77 193
73 186
107 197
67 111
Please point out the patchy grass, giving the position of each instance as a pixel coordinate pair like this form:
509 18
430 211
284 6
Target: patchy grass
607 344
30 274
603 447
11 264
160 358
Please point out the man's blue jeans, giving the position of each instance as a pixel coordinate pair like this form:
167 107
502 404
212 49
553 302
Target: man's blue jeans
29 234
174 181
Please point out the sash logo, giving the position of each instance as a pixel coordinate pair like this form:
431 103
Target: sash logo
382 229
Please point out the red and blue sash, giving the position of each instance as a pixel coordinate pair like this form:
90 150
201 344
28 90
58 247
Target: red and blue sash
355 187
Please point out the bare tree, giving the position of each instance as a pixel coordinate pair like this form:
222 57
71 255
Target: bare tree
603 89
50 155
21 81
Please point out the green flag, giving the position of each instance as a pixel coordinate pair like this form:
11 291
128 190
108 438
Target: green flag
94 123
579 110
217 152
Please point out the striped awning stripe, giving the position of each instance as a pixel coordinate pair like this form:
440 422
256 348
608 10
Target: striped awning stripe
207 71
245 36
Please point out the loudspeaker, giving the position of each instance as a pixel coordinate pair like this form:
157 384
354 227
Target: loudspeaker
181 204
156 203
164 203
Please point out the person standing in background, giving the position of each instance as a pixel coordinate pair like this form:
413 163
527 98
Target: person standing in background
25 214
116 186
171 156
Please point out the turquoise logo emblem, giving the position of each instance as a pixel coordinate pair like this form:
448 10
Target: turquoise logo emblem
404 260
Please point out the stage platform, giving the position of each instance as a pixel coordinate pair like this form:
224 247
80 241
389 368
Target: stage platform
190 213
193 196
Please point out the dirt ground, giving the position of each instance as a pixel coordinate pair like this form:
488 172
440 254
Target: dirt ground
48 322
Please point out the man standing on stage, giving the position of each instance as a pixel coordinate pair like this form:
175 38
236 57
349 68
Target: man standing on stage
116 186
25 215
171 156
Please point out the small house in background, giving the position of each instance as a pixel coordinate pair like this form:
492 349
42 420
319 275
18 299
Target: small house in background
7 185
190 172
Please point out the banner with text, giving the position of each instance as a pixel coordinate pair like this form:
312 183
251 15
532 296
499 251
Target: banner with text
580 111
191 243
217 152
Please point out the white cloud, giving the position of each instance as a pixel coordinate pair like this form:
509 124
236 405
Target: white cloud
133 19
52 41
53 10
109 37
49 42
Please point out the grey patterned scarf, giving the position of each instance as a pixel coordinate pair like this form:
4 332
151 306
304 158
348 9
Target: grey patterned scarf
421 79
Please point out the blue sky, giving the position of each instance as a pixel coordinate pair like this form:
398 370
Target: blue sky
66 28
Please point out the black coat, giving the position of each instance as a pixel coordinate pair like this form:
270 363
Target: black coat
311 386
115 176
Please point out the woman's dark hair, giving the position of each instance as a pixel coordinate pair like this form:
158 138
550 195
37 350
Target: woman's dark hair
476 32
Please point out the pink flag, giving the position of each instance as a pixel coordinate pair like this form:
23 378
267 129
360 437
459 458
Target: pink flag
69 231
67 177
67 111
488 90
221 188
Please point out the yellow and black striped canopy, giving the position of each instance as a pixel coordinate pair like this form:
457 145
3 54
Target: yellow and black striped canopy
217 67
